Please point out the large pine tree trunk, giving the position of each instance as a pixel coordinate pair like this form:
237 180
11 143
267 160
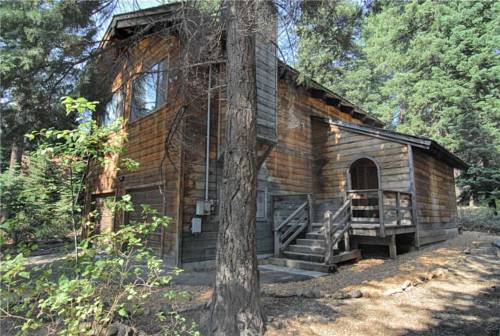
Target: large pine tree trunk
236 299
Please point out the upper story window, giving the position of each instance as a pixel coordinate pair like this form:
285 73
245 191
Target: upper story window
149 91
113 109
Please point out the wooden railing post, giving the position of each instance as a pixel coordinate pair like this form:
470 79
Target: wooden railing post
277 251
310 213
328 240
381 212
398 208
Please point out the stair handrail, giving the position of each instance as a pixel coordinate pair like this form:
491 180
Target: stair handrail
330 231
289 218
279 238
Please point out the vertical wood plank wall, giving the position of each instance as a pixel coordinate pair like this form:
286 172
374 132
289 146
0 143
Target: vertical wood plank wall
436 198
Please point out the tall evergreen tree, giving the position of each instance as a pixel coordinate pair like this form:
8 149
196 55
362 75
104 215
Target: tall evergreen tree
43 45
429 68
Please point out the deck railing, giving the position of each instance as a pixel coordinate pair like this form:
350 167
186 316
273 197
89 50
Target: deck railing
381 207
335 228
285 231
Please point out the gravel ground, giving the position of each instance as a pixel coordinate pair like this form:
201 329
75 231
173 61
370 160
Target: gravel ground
452 289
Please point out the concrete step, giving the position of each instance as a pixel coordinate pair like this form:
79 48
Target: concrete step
301 264
306 249
304 256
311 242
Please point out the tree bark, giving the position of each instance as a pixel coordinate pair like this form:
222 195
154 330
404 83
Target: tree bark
16 153
236 306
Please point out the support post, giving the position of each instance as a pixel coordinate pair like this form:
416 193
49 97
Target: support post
381 212
392 247
310 213
328 240
275 232
347 243
398 208
277 251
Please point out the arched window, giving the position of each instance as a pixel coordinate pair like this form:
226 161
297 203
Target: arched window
364 174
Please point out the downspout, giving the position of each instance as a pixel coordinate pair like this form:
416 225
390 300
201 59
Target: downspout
209 110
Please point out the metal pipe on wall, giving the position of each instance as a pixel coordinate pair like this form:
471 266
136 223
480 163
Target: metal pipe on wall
209 110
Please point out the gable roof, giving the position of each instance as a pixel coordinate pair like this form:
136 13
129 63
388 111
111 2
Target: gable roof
126 24
430 146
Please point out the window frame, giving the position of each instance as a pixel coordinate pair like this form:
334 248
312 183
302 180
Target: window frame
165 79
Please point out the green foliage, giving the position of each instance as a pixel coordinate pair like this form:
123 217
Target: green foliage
110 276
43 45
426 68
42 199
113 280
327 46
35 203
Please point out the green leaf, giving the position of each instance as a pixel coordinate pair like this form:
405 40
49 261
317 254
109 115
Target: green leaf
24 274
122 312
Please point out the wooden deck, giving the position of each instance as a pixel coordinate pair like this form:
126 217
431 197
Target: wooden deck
373 230
380 213
368 217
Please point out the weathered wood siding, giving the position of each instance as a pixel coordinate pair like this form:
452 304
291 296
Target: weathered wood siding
287 169
266 73
436 198
199 246
335 149
146 138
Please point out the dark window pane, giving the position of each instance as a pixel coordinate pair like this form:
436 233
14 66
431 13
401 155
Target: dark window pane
149 91
113 109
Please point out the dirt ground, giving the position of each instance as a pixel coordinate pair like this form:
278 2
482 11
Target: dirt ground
450 288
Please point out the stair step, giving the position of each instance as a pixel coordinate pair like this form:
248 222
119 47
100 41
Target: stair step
346 256
311 242
306 249
304 256
315 235
301 264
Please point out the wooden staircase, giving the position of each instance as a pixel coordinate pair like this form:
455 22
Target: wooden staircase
318 248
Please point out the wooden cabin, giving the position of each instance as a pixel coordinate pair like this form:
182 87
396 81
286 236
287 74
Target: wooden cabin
331 180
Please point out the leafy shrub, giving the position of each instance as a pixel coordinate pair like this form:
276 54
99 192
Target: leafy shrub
110 276
112 279
478 219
